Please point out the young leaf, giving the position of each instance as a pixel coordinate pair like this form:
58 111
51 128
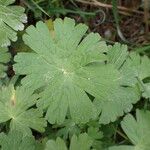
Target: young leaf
82 142
15 106
96 135
138 131
16 141
67 129
11 20
4 58
59 144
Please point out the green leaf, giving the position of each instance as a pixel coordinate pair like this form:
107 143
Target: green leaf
109 93
16 141
11 20
68 67
15 106
82 142
135 70
146 92
137 130
6 2
123 148
119 100
136 66
117 54
67 129
94 133
4 59
59 61
131 65
59 144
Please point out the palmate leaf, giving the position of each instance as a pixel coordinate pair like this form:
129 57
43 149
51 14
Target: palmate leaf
59 63
135 70
16 141
11 20
138 131
119 99
131 66
68 65
82 142
135 67
4 58
15 106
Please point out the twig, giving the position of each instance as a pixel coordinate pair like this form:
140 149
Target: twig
96 3
146 15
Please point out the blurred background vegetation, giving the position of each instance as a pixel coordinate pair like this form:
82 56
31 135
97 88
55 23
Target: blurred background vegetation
125 21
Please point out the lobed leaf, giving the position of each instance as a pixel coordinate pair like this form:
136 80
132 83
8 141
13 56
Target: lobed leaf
16 141
15 106
68 66
11 20
137 130
57 60
82 142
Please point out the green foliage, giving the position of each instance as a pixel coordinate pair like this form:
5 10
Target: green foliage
4 59
16 141
73 66
82 142
135 70
138 131
15 106
62 65
70 90
11 19
67 129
